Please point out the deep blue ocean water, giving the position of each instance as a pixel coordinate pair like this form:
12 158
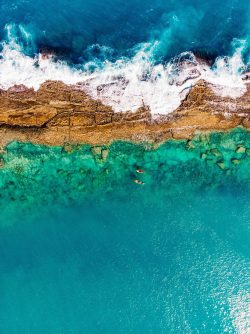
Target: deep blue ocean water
80 29
84 249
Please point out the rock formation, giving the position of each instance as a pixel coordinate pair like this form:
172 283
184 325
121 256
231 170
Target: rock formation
58 113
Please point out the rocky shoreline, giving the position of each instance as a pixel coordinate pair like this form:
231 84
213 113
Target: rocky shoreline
58 113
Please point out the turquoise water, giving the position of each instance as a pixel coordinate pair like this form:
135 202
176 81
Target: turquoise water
85 249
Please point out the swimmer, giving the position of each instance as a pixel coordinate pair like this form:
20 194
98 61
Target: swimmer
140 171
138 182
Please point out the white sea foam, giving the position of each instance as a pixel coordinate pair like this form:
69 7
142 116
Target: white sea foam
128 84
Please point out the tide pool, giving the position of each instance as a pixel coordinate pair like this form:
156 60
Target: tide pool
86 249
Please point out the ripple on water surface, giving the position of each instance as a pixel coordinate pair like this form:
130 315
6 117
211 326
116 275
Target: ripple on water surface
84 248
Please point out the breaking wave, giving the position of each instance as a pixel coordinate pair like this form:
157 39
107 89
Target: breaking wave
128 82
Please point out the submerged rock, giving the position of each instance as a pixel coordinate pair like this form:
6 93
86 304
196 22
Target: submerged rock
105 154
216 152
33 169
203 156
221 164
68 148
190 145
235 161
96 150
241 149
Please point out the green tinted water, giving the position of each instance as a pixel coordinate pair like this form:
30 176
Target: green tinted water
85 249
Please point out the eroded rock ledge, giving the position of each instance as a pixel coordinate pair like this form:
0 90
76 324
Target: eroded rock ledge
58 113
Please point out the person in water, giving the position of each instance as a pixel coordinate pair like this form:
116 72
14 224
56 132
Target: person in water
140 171
138 182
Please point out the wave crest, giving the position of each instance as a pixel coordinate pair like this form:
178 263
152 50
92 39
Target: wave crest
127 84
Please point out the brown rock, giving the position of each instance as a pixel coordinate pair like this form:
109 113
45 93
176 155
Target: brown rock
36 116
102 118
53 90
58 112
82 119
21 92
78 96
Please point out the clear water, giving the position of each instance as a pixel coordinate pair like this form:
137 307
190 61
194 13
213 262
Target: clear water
85 249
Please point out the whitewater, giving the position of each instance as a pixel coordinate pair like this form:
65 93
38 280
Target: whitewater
156 70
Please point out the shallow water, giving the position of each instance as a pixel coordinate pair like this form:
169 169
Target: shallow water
84 249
